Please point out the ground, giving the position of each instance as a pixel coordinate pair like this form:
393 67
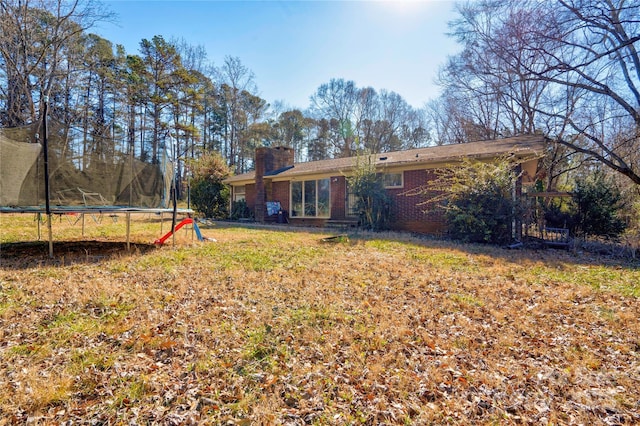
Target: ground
272 326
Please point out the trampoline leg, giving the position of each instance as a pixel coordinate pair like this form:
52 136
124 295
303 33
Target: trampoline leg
50 236
128 231
82 217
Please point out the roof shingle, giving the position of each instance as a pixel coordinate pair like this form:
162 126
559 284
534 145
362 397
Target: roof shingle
527 146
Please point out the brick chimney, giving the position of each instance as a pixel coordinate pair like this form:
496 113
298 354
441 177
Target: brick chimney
267 160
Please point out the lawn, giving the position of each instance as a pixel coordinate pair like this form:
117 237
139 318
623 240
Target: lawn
275 326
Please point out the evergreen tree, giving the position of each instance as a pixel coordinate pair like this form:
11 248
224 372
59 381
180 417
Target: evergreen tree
210 197
597 201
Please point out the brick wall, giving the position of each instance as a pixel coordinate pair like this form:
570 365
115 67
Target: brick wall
338 197
407 214
268 159
280 192
250 195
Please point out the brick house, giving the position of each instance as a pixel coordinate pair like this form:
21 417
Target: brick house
316 193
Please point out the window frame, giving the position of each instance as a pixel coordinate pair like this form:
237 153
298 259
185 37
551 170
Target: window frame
401 185
239 193
303 193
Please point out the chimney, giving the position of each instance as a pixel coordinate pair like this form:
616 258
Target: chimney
268 159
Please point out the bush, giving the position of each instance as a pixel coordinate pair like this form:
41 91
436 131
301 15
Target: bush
240 210
477 200
372 202
597 202
481 215
209 196
559 214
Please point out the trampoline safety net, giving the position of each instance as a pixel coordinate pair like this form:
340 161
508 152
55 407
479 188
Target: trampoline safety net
83 170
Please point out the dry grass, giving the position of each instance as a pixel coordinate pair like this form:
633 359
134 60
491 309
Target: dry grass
265 326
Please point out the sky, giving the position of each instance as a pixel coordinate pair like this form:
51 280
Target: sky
293 47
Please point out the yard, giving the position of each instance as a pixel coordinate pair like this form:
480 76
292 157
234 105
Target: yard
269 326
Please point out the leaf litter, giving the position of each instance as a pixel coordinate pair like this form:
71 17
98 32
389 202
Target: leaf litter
348 333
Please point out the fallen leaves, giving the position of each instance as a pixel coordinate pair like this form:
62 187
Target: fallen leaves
360 331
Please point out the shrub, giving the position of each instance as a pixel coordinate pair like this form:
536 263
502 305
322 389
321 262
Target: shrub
372 202
240 210
477 200
209 196
559 214
483 215
597 202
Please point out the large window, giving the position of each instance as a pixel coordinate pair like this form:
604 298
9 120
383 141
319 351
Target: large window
311 198
389 180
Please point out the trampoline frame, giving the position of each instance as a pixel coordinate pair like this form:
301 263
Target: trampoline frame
82 210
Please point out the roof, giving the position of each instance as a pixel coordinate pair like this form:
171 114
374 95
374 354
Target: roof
524 147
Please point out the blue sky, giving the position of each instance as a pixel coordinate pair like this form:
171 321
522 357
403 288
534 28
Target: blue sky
293 47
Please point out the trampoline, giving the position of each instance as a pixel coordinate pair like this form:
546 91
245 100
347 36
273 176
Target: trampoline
48 168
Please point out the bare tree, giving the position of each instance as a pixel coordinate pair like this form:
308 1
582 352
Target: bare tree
338 100
352 119
452 118
33 34
569 68
489 79
598 61
292 129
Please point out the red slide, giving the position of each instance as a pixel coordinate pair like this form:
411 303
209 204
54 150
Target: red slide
168 234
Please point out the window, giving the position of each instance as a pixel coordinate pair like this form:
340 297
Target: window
238 193
392 180
311 198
